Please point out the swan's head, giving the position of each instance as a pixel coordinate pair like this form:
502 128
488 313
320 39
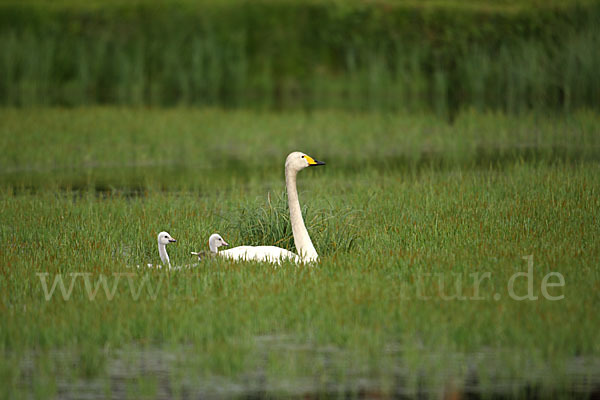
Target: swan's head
215 241
165 238
297 160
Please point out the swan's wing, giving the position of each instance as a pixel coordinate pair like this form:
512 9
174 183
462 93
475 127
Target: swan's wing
259 253
275 254
237 253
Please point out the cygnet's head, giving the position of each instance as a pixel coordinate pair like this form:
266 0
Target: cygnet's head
165 238
215 241
297 160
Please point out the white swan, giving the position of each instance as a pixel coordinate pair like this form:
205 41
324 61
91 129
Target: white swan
163 240
294 162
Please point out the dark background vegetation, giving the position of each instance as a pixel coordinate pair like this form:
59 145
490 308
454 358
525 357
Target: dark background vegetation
440 56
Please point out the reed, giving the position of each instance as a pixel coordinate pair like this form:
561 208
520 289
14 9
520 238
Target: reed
443 57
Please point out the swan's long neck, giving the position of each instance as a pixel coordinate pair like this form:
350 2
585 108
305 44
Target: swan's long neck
213 247
164 257
304 245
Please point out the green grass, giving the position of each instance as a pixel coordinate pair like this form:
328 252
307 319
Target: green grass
405 204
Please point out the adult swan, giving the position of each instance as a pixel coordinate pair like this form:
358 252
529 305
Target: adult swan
294 162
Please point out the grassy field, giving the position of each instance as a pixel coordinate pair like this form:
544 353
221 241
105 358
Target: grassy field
409 213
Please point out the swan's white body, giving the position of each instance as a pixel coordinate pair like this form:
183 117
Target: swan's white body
271 254
294 163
